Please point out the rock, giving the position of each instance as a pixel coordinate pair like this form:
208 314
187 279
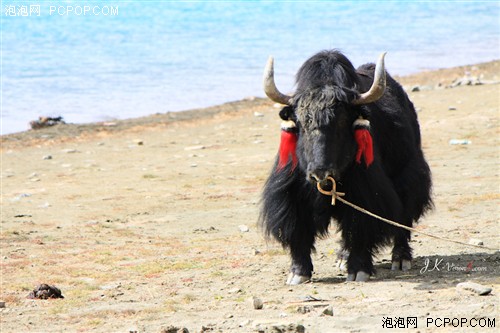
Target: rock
328 311
174 329
70 151
451 108
234 290
258 114
258 304
304 309
45 291
2 304
199 147
415 89
459 142
299 328
139 142
475 241
47 157
467 80
243 228
245 322
46 122
474 287
208 328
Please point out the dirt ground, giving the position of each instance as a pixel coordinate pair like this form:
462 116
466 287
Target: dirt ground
141 224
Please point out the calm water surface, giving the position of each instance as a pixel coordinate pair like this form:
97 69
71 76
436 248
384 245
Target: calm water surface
100 60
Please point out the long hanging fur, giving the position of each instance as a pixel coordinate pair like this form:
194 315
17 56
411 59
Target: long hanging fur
394 181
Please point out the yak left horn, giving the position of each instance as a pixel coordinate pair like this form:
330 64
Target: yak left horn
270 87
377 89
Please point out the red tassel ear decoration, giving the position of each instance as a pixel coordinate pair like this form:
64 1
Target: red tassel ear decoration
288 144
364 140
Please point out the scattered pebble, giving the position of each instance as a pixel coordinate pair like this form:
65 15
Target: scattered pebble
199 147
245 322
69 151
466 81
460 142
415 89
139 142
20 196
475 241
243 228
47 157
258 304
174 329
234 290
194 165
474 287
303 309
2 304
258 114
328 311
452 108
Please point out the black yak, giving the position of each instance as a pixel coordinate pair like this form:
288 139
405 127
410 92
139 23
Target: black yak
359 127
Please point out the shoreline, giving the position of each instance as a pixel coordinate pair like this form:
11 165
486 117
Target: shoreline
486 72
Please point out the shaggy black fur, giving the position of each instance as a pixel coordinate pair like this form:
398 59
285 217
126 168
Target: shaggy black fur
396 186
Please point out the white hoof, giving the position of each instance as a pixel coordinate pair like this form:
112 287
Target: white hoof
342 257
404 265
294 279
358 277
362 276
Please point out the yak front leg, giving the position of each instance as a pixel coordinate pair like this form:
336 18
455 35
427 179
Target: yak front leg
301 246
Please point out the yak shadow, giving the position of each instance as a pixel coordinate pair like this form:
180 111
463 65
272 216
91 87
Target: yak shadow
434 272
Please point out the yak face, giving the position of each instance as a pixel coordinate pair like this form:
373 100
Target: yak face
324 117
324 108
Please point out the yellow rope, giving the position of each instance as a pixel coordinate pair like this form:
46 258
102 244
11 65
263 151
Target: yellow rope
337 195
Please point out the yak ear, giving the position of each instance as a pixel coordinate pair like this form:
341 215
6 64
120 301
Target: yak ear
287 113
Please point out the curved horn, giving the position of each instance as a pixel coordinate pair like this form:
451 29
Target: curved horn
270 87
377 89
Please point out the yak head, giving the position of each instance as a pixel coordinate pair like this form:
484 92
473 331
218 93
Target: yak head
324 108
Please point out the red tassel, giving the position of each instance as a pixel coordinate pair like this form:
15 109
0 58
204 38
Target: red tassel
365 146
288 146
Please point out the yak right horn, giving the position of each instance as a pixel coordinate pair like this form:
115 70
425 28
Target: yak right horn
270 87
377 89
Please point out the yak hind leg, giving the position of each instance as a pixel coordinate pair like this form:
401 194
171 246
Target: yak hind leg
401 252
342 256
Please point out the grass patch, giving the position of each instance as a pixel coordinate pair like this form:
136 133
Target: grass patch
156 267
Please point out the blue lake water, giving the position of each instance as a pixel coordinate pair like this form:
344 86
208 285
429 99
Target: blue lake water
101 60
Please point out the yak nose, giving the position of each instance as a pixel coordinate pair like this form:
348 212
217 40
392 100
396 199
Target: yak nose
319 175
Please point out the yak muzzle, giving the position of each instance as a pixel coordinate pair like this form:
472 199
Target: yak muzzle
319 175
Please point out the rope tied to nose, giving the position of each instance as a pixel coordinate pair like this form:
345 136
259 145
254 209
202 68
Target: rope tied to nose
339 195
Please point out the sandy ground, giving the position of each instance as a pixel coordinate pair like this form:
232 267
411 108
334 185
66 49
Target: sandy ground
138 224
